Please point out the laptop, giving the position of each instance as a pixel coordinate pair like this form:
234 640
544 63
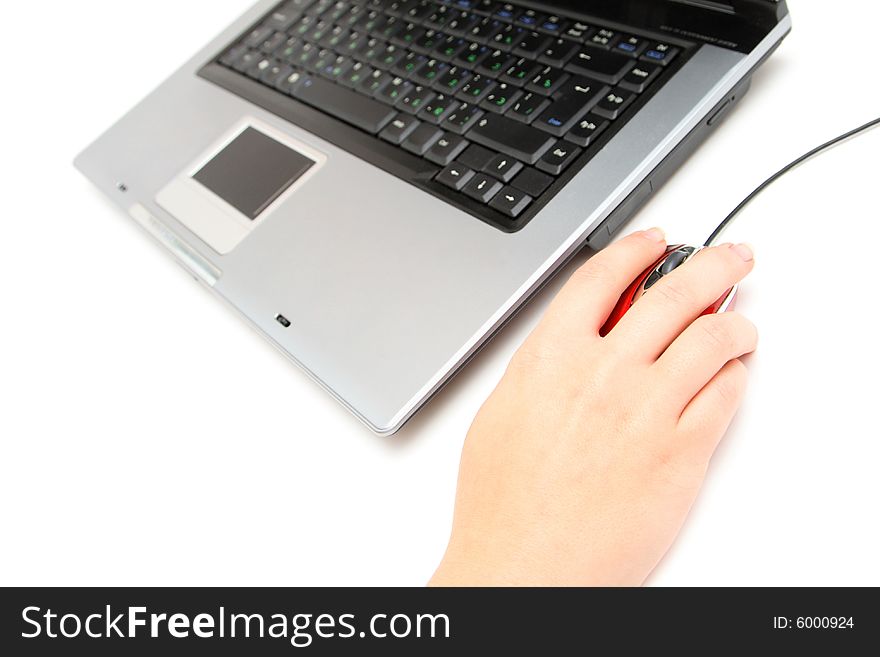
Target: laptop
377 186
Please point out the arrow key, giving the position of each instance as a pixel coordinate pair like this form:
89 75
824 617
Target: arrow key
455 176
557 159
503 167
482 188
511 202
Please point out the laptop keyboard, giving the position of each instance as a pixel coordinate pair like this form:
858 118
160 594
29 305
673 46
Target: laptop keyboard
491 106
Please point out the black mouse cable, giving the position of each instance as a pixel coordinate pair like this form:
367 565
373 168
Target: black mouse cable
776 176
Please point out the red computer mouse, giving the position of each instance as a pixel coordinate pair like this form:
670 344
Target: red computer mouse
674 258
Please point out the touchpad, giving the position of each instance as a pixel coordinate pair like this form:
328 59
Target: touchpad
238 183
253 171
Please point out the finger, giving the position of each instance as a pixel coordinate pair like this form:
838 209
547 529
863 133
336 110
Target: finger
679 298
706 419
697 355
587 299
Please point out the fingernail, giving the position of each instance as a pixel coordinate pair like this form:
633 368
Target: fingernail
655 235
744 251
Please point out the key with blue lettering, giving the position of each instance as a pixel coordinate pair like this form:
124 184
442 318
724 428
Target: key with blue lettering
660 53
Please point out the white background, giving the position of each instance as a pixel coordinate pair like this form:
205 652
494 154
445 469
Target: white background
149 437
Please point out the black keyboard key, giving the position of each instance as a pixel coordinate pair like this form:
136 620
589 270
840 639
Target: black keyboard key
407 65
548 81
640 77
632 46
417 11
511 202
277 71
428 41
532 44
352 107
511 138
231 57
399 129
506 12
508 37
476 88
500 98
256 72
394 90
553 25
462 118
437 109
335 38
375 82
247 61
532 182
274 42
485 30
337 68
578 96
614 103
660 53
336 11
409 35
356 74
482 188
455 176
288 84
496 63
473 55
453 80
587 130
600 64
422 138
323 60
431 72
258 36
415 99
476 157
603 38
289 49
529 107
503 168
461 23
531 18
306 56
558 158
521 71
450 47
284 17
579 31
558 53
371 51
446 149
344 104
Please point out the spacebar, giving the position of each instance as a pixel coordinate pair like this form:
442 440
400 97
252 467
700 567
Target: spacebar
351 107
511 138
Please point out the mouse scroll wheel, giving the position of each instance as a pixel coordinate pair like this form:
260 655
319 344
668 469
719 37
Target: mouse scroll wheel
675 260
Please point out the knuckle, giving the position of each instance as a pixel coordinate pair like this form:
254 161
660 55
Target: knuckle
717 331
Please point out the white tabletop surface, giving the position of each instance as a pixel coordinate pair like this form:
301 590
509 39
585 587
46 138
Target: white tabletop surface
149 437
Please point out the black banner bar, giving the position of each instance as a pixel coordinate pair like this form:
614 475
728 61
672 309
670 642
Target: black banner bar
172 622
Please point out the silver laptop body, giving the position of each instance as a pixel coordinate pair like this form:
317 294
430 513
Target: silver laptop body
375 288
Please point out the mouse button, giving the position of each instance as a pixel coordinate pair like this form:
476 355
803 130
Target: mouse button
675 260
652 279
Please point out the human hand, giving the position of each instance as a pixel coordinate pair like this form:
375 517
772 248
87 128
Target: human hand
584 462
